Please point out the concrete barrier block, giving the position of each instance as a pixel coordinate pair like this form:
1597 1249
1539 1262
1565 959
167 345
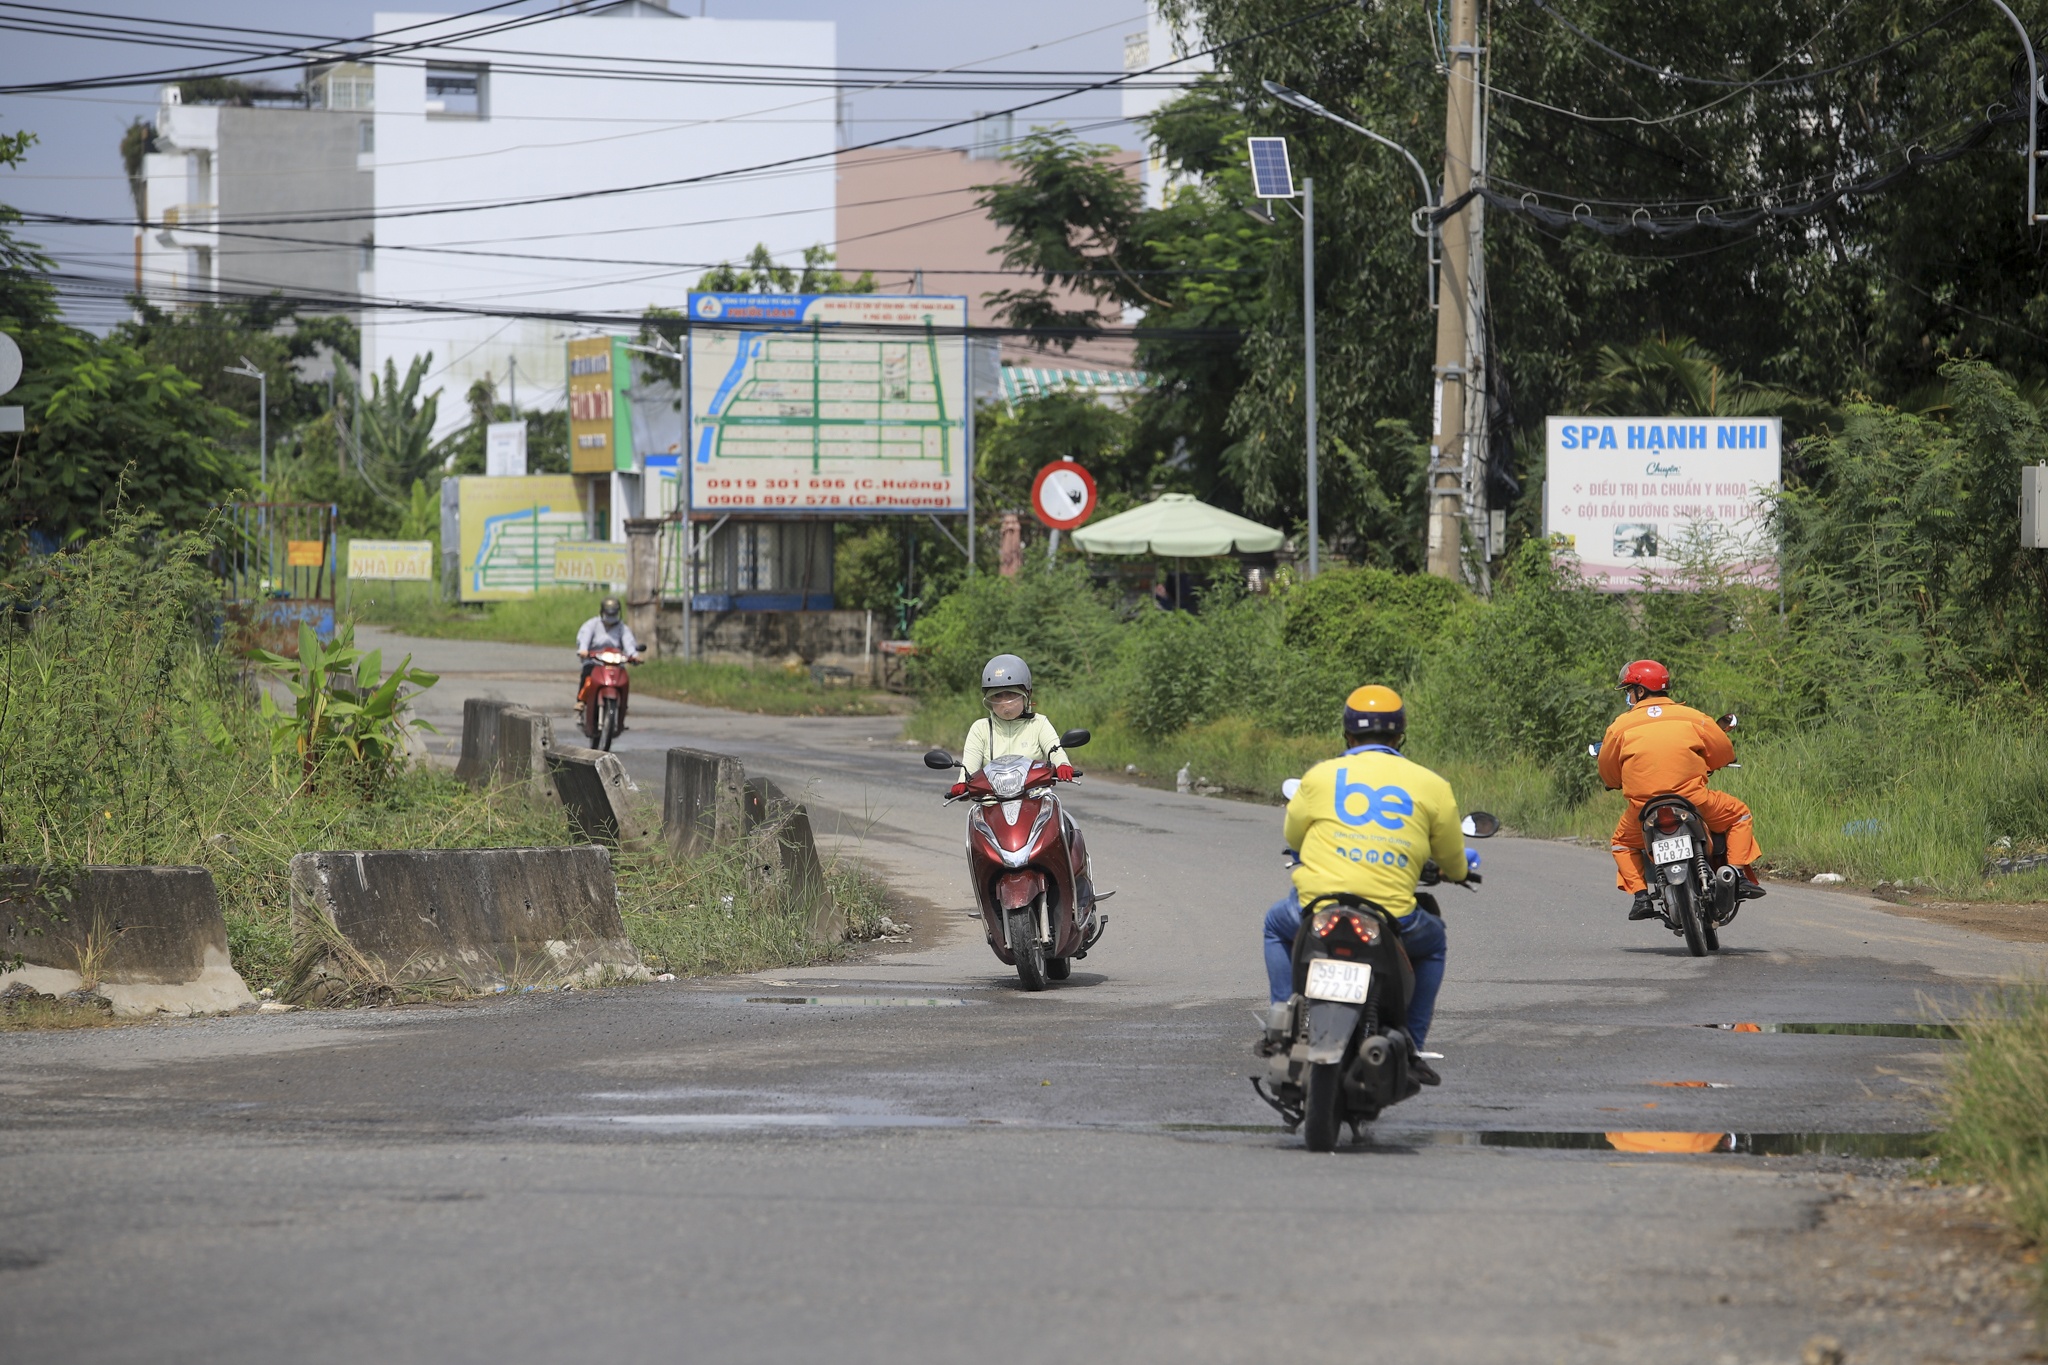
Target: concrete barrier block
524 736
782 853
149 939
425 921
598 796
478 764
703 801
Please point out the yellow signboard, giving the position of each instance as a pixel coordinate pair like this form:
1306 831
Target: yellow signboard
509 530
590 561
597 417
410 561
305 554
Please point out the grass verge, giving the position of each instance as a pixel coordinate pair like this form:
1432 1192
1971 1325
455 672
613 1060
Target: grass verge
760 691
550 617
1997 1108
706 916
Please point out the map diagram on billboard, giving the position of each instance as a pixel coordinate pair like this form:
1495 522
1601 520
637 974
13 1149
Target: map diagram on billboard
509 529
828 403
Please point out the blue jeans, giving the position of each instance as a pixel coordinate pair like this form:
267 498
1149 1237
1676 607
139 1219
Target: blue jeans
1422 934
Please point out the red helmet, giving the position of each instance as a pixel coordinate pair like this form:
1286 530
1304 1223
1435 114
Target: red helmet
1646 673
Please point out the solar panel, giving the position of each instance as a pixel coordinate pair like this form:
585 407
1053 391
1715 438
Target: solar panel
1272 177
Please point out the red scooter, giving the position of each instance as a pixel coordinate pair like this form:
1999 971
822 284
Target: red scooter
1029 865
601 701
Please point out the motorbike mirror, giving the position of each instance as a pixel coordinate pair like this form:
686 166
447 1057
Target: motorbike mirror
1480 825
1729 721
1594 748
938 758
1074 739
1290 787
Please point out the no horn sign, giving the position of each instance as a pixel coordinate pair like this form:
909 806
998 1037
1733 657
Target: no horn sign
1063 495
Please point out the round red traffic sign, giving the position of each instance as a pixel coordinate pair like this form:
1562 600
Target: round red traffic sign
1063 495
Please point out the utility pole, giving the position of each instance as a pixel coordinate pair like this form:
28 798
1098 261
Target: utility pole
250 370
512 383
1457 322
1308 334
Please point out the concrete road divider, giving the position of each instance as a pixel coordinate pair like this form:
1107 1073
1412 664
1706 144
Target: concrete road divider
782 852
455 921
598 796
478 764
703 801
151 940
524 736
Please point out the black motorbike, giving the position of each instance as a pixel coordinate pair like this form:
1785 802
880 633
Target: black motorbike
1685 866
1344 1053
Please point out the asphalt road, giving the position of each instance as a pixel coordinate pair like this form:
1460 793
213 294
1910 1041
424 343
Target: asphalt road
931 1164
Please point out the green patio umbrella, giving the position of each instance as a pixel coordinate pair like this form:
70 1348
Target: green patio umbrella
1177 525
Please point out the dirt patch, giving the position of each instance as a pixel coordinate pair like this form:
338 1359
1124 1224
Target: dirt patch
2016 923
1898 1271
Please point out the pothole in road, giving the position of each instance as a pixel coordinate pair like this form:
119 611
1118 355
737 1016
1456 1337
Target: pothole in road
1942 1031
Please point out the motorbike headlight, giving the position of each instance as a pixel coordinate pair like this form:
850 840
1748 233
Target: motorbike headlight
1006 776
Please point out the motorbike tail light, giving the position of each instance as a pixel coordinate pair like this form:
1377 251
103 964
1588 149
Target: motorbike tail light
1667 819
1346 933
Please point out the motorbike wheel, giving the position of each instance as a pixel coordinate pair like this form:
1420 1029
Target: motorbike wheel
1028 951
1689 920
607 723
1059 968
1321 1124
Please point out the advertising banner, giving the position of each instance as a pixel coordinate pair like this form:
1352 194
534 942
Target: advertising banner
509 529
1646 497
589 561
600 424
827 404
505 450
405 561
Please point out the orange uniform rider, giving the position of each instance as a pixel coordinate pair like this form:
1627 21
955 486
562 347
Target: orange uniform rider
1658 746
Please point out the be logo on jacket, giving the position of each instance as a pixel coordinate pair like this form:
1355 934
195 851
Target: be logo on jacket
1387 807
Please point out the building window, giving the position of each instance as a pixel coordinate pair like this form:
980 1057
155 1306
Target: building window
366 136
366 255
457 92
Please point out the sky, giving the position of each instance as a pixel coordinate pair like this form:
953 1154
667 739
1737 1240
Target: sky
75 166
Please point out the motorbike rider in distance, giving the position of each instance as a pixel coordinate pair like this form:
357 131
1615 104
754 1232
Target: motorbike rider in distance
1364 824
606 630
1011 726
1658 746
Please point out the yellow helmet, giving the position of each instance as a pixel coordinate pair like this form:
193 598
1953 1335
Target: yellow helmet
1375 713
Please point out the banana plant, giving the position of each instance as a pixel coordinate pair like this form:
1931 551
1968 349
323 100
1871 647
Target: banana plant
345 710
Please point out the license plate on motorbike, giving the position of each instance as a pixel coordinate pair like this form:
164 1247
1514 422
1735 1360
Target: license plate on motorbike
1677 850
1329 979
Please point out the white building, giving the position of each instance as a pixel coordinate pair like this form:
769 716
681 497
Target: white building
1158 43
468 134
211 166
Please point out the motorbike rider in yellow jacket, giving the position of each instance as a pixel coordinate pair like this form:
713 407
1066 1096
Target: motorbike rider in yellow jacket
1365 823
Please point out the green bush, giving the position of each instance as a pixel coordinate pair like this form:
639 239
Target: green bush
1052 617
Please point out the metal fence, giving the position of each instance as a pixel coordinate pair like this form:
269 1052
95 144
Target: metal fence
277 571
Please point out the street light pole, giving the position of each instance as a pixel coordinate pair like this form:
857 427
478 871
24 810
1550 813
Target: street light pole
250 370
1308 327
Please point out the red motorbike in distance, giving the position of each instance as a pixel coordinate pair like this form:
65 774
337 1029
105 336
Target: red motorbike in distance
1029 865
601 700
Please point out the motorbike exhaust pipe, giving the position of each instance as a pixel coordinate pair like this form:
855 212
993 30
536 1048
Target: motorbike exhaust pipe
1376 1051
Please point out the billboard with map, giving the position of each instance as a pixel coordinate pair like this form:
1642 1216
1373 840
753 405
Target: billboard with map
827 404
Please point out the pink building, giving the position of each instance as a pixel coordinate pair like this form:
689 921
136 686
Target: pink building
909 215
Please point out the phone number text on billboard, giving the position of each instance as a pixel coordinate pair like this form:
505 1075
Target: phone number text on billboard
826 492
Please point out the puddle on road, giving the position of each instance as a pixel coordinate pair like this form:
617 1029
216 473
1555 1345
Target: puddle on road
1942 1031
859 1001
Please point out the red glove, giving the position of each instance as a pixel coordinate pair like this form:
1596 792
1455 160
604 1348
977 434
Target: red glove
957 789
1065 772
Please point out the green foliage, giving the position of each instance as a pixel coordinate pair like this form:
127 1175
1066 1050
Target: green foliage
395 427
1678 377
1051 617
761 275
1013 442
103 424
346 715
1997 1092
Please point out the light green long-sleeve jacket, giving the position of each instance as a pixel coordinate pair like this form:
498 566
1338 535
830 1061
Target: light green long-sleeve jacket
1033 737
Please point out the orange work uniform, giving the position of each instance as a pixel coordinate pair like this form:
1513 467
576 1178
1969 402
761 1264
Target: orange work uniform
1658 746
